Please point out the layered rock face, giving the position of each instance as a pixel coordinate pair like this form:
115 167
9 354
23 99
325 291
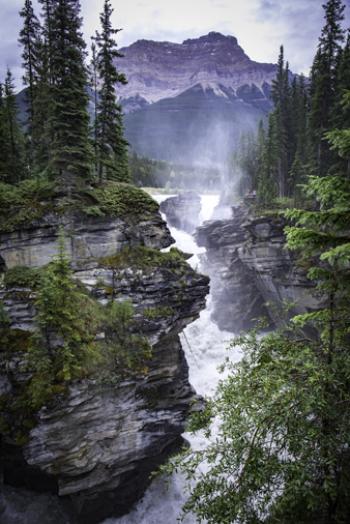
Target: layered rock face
157 70
236 298
253 276
189 103
94 448
182 211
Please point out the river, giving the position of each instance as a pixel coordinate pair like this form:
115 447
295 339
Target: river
205 346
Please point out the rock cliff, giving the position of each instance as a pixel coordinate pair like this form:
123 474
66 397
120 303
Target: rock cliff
252 273
183 211
93 448
157 70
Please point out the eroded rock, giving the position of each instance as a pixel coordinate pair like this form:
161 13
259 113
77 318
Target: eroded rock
93 449
182 211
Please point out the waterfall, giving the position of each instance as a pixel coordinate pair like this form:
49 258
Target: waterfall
206 348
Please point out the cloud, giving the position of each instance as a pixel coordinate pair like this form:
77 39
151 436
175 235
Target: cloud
261 26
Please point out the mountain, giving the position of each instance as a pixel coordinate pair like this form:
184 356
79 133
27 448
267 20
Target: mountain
190 102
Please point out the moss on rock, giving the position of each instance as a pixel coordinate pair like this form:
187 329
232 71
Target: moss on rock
32 200
141 257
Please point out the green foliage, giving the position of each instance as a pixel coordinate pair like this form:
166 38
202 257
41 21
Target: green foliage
110 146
29 38
146 172
281 453
63 347
141 257
22 203
268 462
126 351
307 132
324 82
120 199
4 319
70 147
22 276
12 165
32 199
154 313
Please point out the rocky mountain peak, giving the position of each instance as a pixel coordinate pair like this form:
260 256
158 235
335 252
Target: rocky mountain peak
158 70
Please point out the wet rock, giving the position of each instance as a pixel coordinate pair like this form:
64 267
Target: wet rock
183 211
252 274
237 301
93 450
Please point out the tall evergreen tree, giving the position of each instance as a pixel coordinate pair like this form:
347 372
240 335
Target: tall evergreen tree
111 144
280 95
29 38
341 113
94 86
301 154
42 135
12 161
3 137
48 7
70 149
323 81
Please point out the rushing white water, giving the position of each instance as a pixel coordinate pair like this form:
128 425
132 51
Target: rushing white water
206 348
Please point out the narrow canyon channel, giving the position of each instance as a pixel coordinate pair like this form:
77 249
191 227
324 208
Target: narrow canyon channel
205 346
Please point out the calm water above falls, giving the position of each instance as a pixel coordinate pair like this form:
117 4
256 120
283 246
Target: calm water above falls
206 348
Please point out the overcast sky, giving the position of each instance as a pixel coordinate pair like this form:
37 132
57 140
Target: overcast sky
261 26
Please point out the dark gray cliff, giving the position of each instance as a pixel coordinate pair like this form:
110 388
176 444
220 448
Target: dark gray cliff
183 211
94 448
253 275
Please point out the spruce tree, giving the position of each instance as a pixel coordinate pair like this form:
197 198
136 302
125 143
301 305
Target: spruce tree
299 167
64 343
43 106
29 39
42 135
48 7
111 144
282 116
3 137
12 148
341 113
70 160
323 81
94 86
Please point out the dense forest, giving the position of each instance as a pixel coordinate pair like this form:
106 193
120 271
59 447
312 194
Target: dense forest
310 116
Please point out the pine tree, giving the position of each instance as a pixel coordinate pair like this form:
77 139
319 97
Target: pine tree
299 167
267 188
3 137
29 39
64 344
281 96
42 135
70 149
341 114
48 7
12 148
111 144
94 86
323 81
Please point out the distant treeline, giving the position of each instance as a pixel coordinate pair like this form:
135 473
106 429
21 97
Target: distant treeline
146 172
295 142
